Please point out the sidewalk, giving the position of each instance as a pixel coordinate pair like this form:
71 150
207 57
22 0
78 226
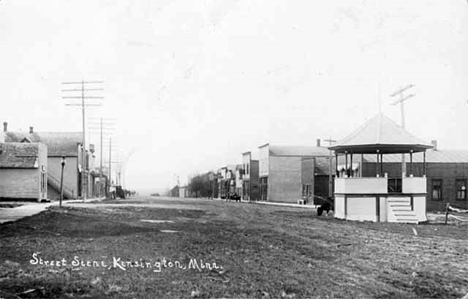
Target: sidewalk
273 203
29 209
282 204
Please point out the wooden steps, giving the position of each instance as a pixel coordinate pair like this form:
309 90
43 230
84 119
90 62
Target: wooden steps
400 211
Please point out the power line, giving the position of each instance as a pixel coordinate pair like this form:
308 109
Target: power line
330 178
101 129
81 87
83 105
88 89
401 101
81 82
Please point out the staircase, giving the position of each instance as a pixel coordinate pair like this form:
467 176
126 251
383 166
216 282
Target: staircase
55 183
400 210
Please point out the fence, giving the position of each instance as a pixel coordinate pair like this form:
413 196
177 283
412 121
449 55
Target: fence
456 213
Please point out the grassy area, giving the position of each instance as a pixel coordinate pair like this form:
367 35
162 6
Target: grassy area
9 205
254 252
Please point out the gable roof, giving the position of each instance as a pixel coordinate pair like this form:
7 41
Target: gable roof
58 143
61 143
298 151
19 155
383 134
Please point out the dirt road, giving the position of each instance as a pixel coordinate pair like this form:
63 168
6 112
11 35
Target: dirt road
266 252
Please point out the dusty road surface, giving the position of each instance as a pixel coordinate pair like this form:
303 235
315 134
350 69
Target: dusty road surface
199 248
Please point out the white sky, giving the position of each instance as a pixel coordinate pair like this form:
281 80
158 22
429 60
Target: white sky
193 84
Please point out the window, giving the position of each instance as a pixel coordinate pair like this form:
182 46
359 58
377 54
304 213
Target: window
436 189
306 191
264 188
246 190
43 182
394 185
461 189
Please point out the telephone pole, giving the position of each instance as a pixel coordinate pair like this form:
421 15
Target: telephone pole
110 161
124 165
330 177
111 148
80 89
101 129
401 101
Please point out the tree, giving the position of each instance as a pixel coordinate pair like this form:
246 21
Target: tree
200 185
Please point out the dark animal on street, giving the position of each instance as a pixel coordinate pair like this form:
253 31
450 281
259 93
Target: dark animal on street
234 197
326 207
119 192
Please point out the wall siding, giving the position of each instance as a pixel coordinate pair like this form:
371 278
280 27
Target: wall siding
43 166
284 180
321 188
447 172
254 180
307 177
70 172
52 193
263 160
20 183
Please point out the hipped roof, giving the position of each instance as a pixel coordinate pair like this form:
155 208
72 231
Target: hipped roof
380 134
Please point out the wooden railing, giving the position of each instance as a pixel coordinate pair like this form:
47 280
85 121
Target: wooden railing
55 183
457 213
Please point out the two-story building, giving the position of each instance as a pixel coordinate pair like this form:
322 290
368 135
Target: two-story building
281 171
59 144
250 179
226 181
238 180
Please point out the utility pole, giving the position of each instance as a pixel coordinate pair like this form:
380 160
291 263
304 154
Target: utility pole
101 133
401 101
123 165
110 161
100 164
81 88
330 177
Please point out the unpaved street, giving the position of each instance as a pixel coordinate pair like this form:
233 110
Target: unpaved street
264 251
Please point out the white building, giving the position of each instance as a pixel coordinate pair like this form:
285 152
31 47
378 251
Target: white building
373 198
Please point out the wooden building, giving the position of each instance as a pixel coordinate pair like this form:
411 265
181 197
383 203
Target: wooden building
23 171
446 172
281 173
377 196
183 192
315 178
250 179
59 144
226 181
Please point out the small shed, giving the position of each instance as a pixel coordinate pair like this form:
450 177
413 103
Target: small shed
379 198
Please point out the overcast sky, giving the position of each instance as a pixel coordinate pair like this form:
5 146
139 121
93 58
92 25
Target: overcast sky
193 84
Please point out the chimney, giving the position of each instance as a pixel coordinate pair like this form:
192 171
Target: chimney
31 130
5 126
318 142
434 143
